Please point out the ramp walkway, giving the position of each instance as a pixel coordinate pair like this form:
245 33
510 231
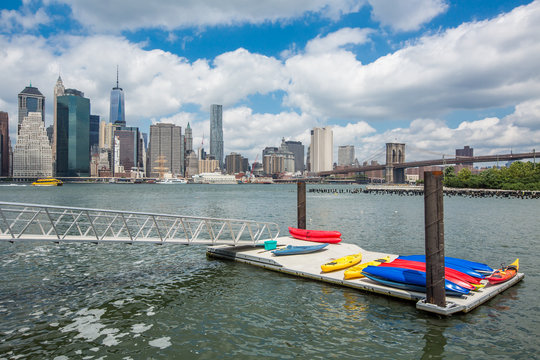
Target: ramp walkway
34 222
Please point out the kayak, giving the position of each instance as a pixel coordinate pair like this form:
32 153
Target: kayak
408 276
342 263
476 266
356 271
456 273
410 287
296 250
422 267
314 233
504 274
463 269
331 240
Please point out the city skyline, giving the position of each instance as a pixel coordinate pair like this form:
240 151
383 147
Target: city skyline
439 80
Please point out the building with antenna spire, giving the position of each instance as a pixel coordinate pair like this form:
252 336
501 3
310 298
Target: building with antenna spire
58 91
117 114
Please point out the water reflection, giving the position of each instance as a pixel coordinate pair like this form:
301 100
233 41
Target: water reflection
435 340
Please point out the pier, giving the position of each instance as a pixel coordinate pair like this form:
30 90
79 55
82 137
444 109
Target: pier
309 266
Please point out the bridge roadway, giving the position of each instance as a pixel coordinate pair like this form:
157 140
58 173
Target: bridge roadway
444 161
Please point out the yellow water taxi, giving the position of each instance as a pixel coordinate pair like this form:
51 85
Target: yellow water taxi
48 182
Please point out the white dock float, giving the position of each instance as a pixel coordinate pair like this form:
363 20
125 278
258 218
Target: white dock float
309 266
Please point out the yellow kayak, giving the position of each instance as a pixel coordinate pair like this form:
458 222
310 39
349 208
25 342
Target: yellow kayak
342 263
356 271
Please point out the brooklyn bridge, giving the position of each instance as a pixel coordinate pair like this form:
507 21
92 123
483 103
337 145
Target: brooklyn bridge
395 163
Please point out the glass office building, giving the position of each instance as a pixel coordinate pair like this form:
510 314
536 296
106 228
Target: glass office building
30 100
73 134
216 133
117 112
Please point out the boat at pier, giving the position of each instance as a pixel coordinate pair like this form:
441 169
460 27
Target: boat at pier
171 181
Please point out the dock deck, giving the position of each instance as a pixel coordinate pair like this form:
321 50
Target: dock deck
309 266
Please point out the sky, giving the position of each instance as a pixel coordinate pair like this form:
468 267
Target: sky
436 75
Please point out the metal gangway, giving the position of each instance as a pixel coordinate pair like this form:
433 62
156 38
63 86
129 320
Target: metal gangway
71 224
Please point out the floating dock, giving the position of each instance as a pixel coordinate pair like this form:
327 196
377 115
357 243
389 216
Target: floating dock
309 266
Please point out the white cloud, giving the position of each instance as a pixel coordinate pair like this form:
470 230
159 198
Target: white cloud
406 15
116 15
474 66
338 39
25 19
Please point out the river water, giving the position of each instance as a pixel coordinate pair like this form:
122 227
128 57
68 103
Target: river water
115 301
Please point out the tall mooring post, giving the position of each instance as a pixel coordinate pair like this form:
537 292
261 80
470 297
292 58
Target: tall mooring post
301 204
434 230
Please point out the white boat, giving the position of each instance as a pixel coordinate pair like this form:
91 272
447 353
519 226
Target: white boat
172 181
214 178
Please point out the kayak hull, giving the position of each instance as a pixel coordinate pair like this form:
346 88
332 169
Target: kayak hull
297 250
356 271
332 240
464 269
504 274
314 233
403 286
342 263
408 276
476 266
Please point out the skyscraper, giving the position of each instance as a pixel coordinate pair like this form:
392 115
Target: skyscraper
189 139
346 155
73 134
117 113
166 150
32 157
58 91
216 133
297 149
94 133
4 144
322 149
30 100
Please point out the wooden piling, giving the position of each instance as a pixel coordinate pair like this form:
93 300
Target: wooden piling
434 238
301 204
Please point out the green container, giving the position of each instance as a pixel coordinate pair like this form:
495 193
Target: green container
270 244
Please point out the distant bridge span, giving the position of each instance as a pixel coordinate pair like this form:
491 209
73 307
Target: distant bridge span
443 161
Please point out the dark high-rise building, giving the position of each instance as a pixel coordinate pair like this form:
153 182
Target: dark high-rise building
4 144
216 133
117 112
130 154
94 131
50 133
235 163
188 139
30 100
73 134
297 149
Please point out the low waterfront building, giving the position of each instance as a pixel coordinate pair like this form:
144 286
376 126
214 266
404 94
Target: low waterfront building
32 157
214 178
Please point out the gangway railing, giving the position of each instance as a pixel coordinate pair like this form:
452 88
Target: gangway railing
20 221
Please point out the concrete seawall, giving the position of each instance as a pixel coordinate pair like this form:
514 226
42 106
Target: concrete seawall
409 190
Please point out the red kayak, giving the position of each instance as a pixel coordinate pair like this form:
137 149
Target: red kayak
422 267
332 240
314 233
447 270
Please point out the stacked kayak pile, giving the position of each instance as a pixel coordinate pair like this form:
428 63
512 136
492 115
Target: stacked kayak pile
461 276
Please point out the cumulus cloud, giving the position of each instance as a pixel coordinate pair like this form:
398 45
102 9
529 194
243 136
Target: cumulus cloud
13 19
476 65
338 39
117 15
406 15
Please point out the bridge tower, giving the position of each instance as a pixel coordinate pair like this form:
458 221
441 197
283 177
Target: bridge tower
395 154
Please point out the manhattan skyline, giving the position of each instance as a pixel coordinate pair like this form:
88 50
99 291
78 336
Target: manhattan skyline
436 75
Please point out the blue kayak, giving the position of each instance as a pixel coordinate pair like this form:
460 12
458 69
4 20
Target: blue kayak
295 250
409 276
403 286
449 264
455 261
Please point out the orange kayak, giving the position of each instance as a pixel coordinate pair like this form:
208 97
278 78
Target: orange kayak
504 274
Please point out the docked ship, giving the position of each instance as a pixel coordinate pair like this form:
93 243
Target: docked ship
48 182
214 178
172 181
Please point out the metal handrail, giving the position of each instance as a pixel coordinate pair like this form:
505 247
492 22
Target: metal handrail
20 221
